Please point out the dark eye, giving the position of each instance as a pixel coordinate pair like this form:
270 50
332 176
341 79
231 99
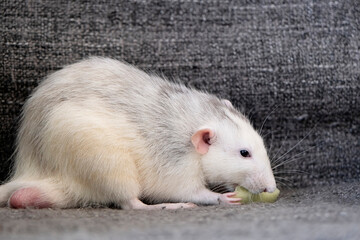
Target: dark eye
245 153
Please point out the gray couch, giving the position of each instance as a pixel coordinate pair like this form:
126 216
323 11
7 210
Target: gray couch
295 64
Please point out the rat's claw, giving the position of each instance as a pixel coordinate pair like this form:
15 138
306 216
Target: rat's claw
230 194
235 200
229 199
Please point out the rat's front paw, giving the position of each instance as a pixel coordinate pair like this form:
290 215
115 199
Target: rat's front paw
229 199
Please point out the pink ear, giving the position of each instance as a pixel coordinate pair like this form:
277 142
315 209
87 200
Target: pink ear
227 103
202 139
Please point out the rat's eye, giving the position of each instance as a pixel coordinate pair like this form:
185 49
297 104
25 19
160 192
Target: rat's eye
245 153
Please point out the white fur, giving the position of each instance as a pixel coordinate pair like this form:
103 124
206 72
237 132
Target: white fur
224 162
99 131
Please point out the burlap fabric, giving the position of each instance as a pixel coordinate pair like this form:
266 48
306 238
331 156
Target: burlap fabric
295 63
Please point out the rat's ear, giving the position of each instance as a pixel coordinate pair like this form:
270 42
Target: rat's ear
202 139
227 103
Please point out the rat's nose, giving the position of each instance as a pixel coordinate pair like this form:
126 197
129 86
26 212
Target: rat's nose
269 189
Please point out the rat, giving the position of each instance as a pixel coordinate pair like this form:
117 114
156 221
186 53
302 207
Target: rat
101 131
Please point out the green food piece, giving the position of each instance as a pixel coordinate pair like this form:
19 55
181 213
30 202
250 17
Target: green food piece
248 197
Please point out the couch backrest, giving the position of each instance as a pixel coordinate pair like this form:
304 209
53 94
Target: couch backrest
293 63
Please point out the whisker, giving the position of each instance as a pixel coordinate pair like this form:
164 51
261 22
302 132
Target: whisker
271 132
278 163
283 179
283 184
271 146
278 160
278 151
266 119
216 187
288 161
290 171
282 156
219 187
251 113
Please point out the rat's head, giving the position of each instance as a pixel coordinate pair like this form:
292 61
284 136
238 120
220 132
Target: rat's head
233 153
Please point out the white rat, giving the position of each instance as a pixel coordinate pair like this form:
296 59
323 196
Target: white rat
101 132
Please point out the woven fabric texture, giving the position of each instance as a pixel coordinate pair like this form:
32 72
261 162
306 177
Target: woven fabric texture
295 64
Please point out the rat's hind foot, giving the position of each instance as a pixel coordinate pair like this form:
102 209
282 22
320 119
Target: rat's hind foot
137 204
29 197
171 206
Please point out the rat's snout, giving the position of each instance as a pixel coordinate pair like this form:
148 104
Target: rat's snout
261 181
268 182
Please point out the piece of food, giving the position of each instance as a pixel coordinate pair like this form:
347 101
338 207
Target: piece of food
248 197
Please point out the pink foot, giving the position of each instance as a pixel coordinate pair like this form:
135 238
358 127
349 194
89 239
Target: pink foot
229 199
137 204
28 197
